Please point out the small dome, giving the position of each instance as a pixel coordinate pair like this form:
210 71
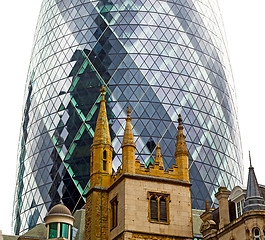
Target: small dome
60 209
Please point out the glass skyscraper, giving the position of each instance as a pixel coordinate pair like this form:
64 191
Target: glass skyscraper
161 58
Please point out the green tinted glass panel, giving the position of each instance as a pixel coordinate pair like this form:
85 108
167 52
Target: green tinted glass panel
64 230
53 230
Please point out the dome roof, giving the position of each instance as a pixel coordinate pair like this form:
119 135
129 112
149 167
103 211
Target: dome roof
60 209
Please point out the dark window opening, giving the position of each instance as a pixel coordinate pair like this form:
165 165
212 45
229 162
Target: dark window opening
153 209
104 165
114 213
256 234
105 154
163 209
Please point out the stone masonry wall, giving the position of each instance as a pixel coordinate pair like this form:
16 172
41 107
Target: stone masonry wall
142 236
136 208
97 216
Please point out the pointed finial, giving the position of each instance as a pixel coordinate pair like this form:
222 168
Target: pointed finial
103 91
250 159
180 122
128 112
180 119
128 146
128 139
181 146
158 156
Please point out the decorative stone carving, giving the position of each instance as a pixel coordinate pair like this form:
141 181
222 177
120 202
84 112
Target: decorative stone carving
208 227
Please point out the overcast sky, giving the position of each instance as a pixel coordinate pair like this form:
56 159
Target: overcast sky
244 24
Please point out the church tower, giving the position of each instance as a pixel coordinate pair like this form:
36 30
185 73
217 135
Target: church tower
137 202
96 223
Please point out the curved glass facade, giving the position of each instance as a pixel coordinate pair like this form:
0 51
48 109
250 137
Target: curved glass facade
159 57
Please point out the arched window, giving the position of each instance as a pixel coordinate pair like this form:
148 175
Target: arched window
256 234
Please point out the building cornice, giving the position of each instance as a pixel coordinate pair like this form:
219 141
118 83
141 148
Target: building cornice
149 178
246 216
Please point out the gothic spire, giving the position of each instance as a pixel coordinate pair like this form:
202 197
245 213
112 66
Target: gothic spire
102 133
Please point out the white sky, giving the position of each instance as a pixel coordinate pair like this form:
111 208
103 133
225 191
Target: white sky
244 24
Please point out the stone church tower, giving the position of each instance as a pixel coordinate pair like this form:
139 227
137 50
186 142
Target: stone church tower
136 202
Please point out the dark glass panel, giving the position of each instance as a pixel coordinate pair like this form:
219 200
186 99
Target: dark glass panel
104 165
163 209
154 208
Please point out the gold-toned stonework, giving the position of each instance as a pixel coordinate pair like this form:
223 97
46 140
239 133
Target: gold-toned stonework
131 187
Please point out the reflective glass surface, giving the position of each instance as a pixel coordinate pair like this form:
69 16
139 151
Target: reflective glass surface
161 58
64 228
53 230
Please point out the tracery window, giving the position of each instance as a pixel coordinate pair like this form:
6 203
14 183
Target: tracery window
158 207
